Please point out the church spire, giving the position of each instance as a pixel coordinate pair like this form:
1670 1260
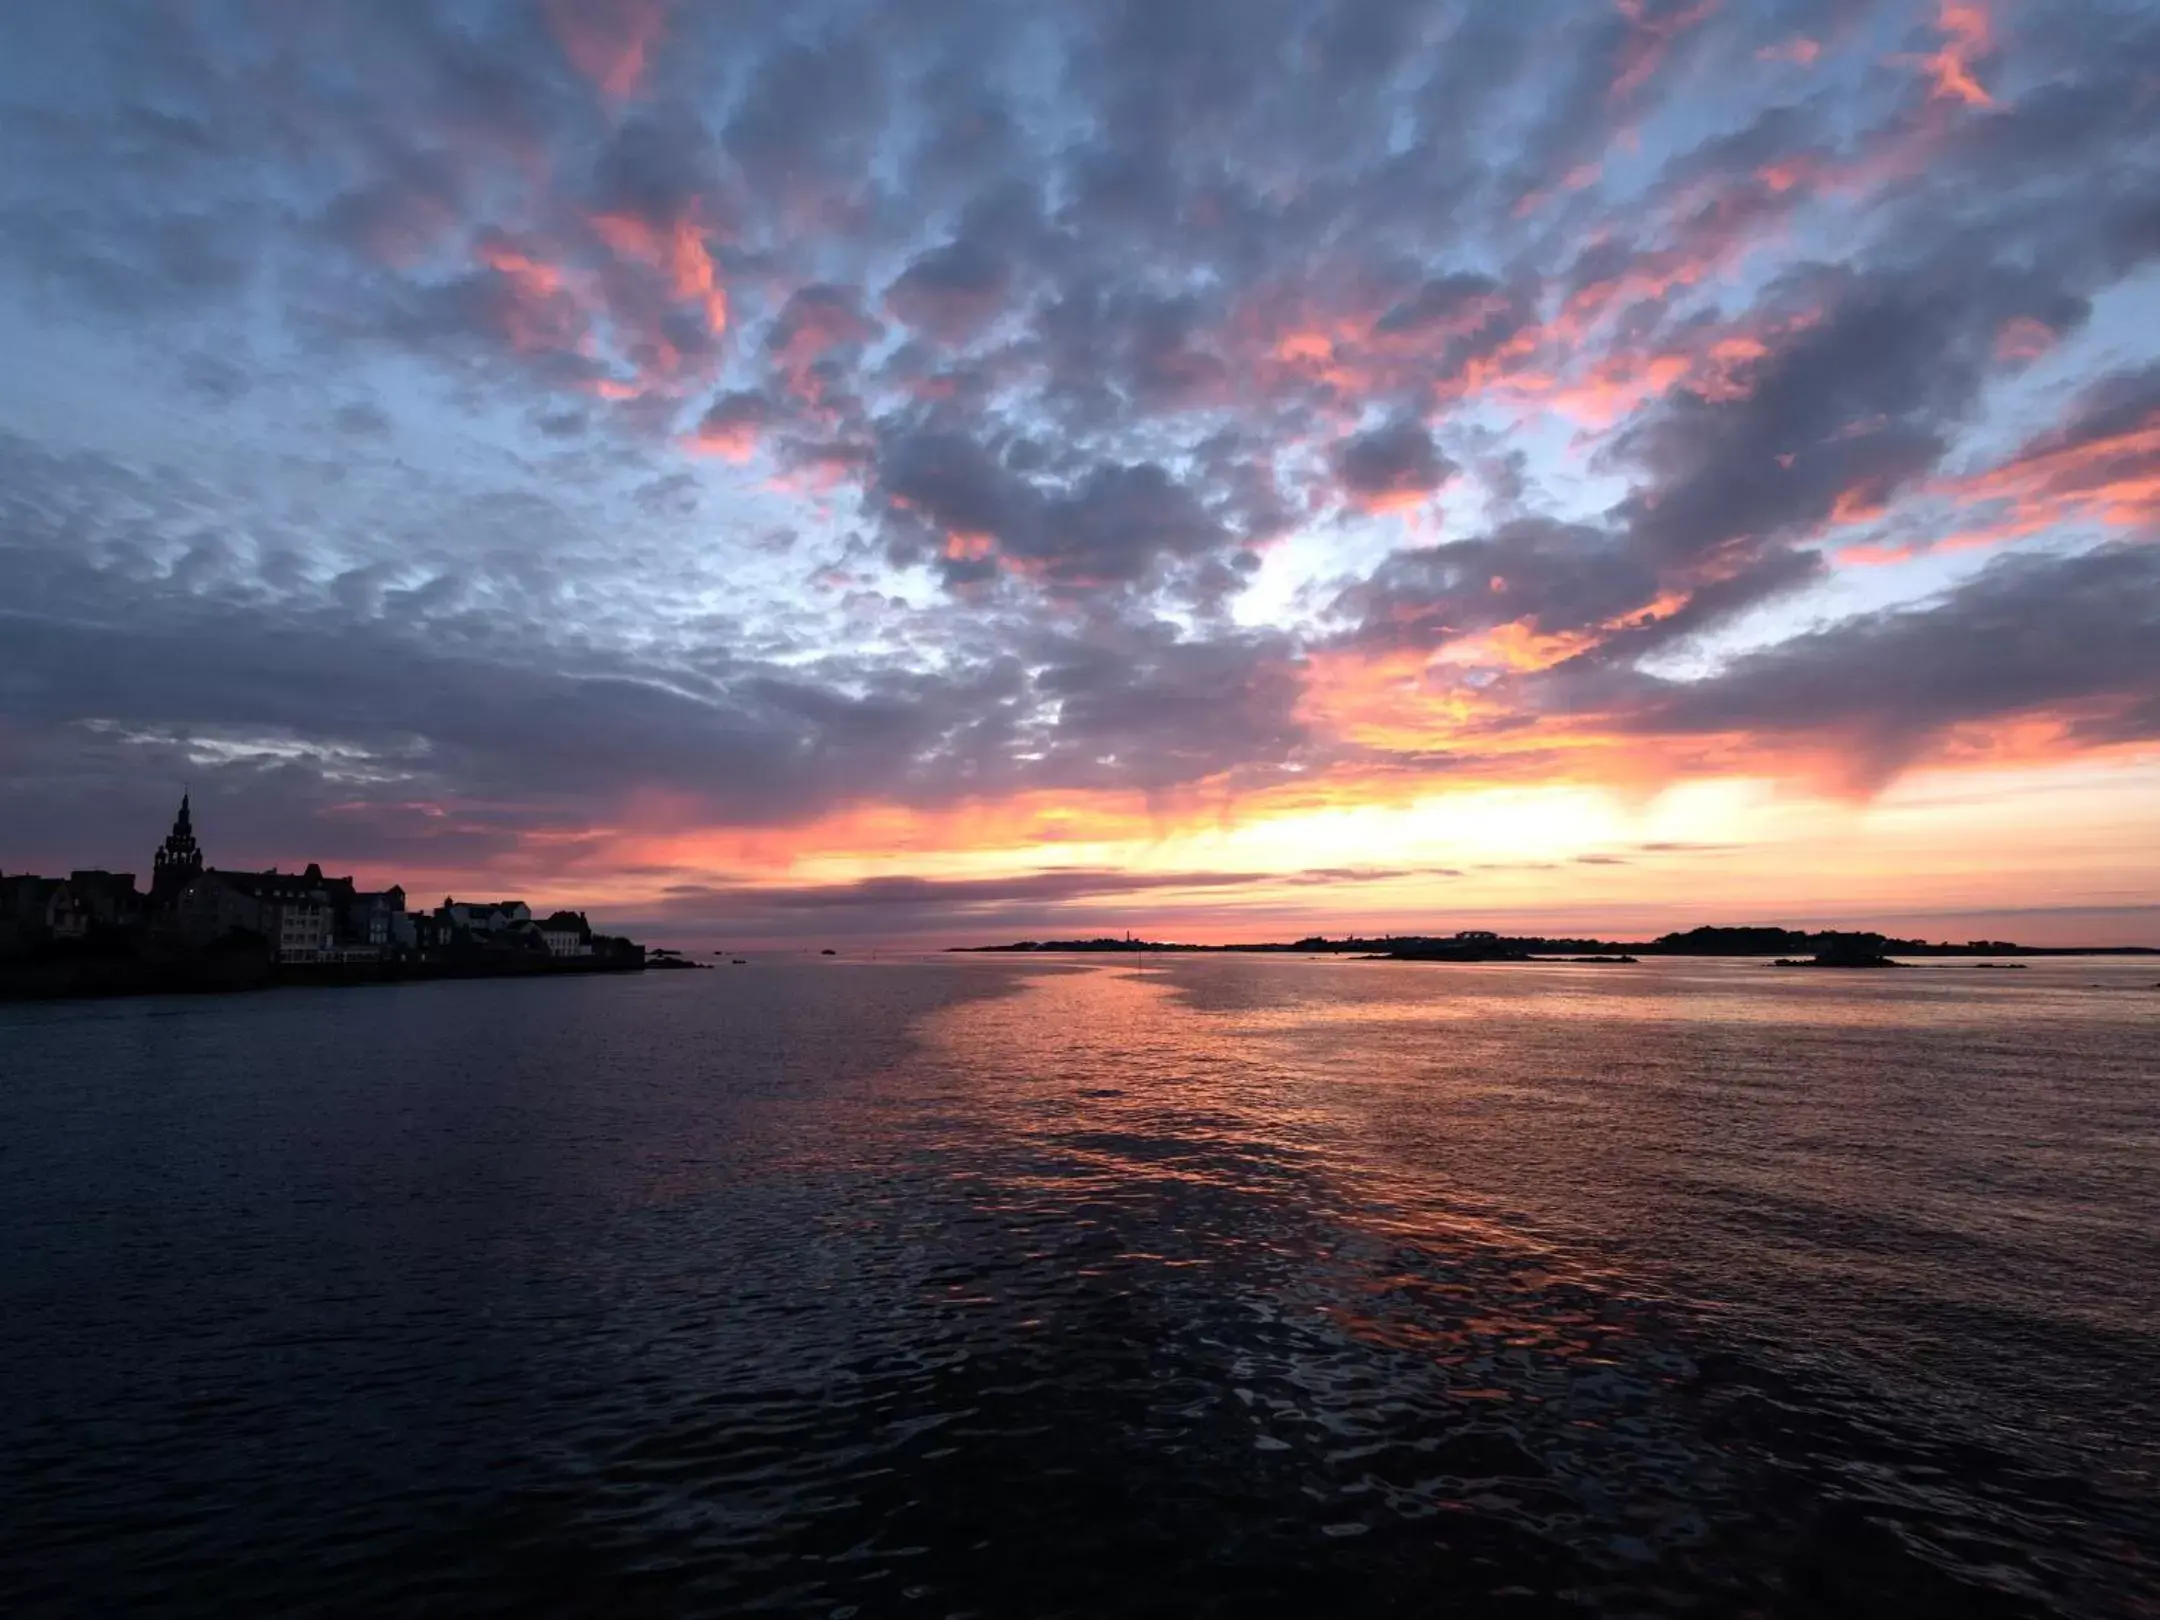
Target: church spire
178 861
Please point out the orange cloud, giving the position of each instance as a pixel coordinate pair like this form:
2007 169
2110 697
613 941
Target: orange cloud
1568 362
732 441
2113 477
1298 338
628 237
609 41
1617 385
1389 501
865 837
1716 362
1855 506
814 322
546 305
1388 702
1721 373
1790 173
1293 347
535 279
679 251
541 312
691 267
2024 339
1967 37
1515 646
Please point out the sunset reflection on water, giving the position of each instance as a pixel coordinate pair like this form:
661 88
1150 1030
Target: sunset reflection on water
1932 1183
1208 1285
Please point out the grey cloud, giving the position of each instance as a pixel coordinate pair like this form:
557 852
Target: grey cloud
658 167
1556 577
1048 902
214 378
2079 634
809 115
1161 712
1860 402
1398 459
1061 883
176 262
361 418
954 482
822 316
951 291
738 411
1438 302
1709 602
1118 522
400 211
563 424
1110 348
1109 525
674 495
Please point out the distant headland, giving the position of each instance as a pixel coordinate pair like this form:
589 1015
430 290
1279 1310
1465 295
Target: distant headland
1829 948
202 928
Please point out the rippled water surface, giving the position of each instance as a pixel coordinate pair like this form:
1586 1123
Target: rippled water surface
1010 1287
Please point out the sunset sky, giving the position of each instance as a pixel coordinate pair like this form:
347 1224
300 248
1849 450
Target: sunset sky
968 469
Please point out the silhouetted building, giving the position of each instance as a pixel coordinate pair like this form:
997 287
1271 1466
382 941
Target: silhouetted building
20 895
377 919
179 862
297 913
37 909
485 916
109 897
567 934
65 915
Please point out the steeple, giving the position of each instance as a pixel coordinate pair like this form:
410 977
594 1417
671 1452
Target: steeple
178 861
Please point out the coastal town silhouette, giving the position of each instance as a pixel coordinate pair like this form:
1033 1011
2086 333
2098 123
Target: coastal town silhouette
202 927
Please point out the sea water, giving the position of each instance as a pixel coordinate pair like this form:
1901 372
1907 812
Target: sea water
1019 1286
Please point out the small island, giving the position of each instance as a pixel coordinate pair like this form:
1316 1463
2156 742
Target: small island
662 958
1470 945
1845 951
1824 947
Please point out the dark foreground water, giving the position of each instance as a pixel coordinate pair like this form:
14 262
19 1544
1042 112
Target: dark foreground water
993 1287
